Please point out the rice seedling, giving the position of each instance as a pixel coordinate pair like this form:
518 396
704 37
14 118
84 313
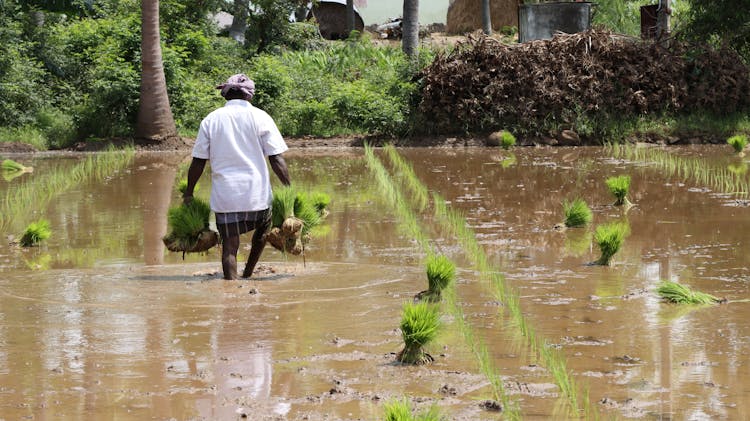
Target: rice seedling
419 192
397 410
619 187
441 273
507 139
699 170
321 201
738 142
34 196
11 166
188 224
453 223
294 214
400 410
35 233
677 293
577 213
502 138
419 326
182 185
609 237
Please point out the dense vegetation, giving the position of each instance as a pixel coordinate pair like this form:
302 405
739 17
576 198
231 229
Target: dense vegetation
70 70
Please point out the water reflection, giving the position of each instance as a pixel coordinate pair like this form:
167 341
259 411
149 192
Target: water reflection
103 321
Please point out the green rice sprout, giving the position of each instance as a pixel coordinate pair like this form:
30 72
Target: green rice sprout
507 139
186 222
397 410
182 185
419 326
677 293
609 238
441 273
738 142
619 187
10 165
283 204
305 209
35 233
400 410
577 213
699 170
321 201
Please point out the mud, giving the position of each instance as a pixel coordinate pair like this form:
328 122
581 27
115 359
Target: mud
102 322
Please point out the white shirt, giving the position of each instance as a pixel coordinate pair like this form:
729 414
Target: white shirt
237 138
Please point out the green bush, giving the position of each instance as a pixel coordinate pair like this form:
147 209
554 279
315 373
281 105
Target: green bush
57 127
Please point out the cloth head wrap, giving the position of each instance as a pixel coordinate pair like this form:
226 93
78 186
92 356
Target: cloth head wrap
239 82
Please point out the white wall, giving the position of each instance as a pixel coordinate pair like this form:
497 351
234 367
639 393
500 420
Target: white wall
378 11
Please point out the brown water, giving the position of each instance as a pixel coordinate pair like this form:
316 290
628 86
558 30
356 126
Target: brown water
101 322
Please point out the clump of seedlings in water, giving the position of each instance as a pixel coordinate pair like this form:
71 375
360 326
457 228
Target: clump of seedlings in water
189 230
12 169
294 215
419 326
35 233
577 213
400 410
738 142
441 273
502 138
609 238
677 293
619 187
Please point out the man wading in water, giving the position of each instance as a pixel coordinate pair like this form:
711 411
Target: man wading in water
236 139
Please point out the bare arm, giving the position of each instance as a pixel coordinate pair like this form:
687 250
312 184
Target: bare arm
194 173
278 165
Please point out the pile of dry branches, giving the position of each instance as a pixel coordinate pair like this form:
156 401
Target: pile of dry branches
484 85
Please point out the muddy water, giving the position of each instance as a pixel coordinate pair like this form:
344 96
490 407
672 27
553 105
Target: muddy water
101 322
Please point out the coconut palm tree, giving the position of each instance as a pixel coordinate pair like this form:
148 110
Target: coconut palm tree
410 27
155 120
486 18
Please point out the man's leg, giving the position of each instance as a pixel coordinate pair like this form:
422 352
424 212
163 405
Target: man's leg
258 243
256 249
229 247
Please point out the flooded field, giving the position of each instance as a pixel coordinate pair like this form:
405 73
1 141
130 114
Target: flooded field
101 322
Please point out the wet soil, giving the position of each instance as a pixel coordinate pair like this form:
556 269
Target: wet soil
101 322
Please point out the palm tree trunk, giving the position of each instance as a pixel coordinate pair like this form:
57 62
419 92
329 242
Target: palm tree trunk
486 18
155 120
410 27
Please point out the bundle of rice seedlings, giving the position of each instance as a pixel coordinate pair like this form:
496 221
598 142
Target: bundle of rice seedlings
502 138
35 233
609 238
294 215
419 326
619 187
189 230
182 186
11 166
738 142
507 139
397 410
400 410
441 272
321 201
674 292
577 213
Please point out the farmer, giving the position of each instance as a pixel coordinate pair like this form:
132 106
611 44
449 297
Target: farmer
236 138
